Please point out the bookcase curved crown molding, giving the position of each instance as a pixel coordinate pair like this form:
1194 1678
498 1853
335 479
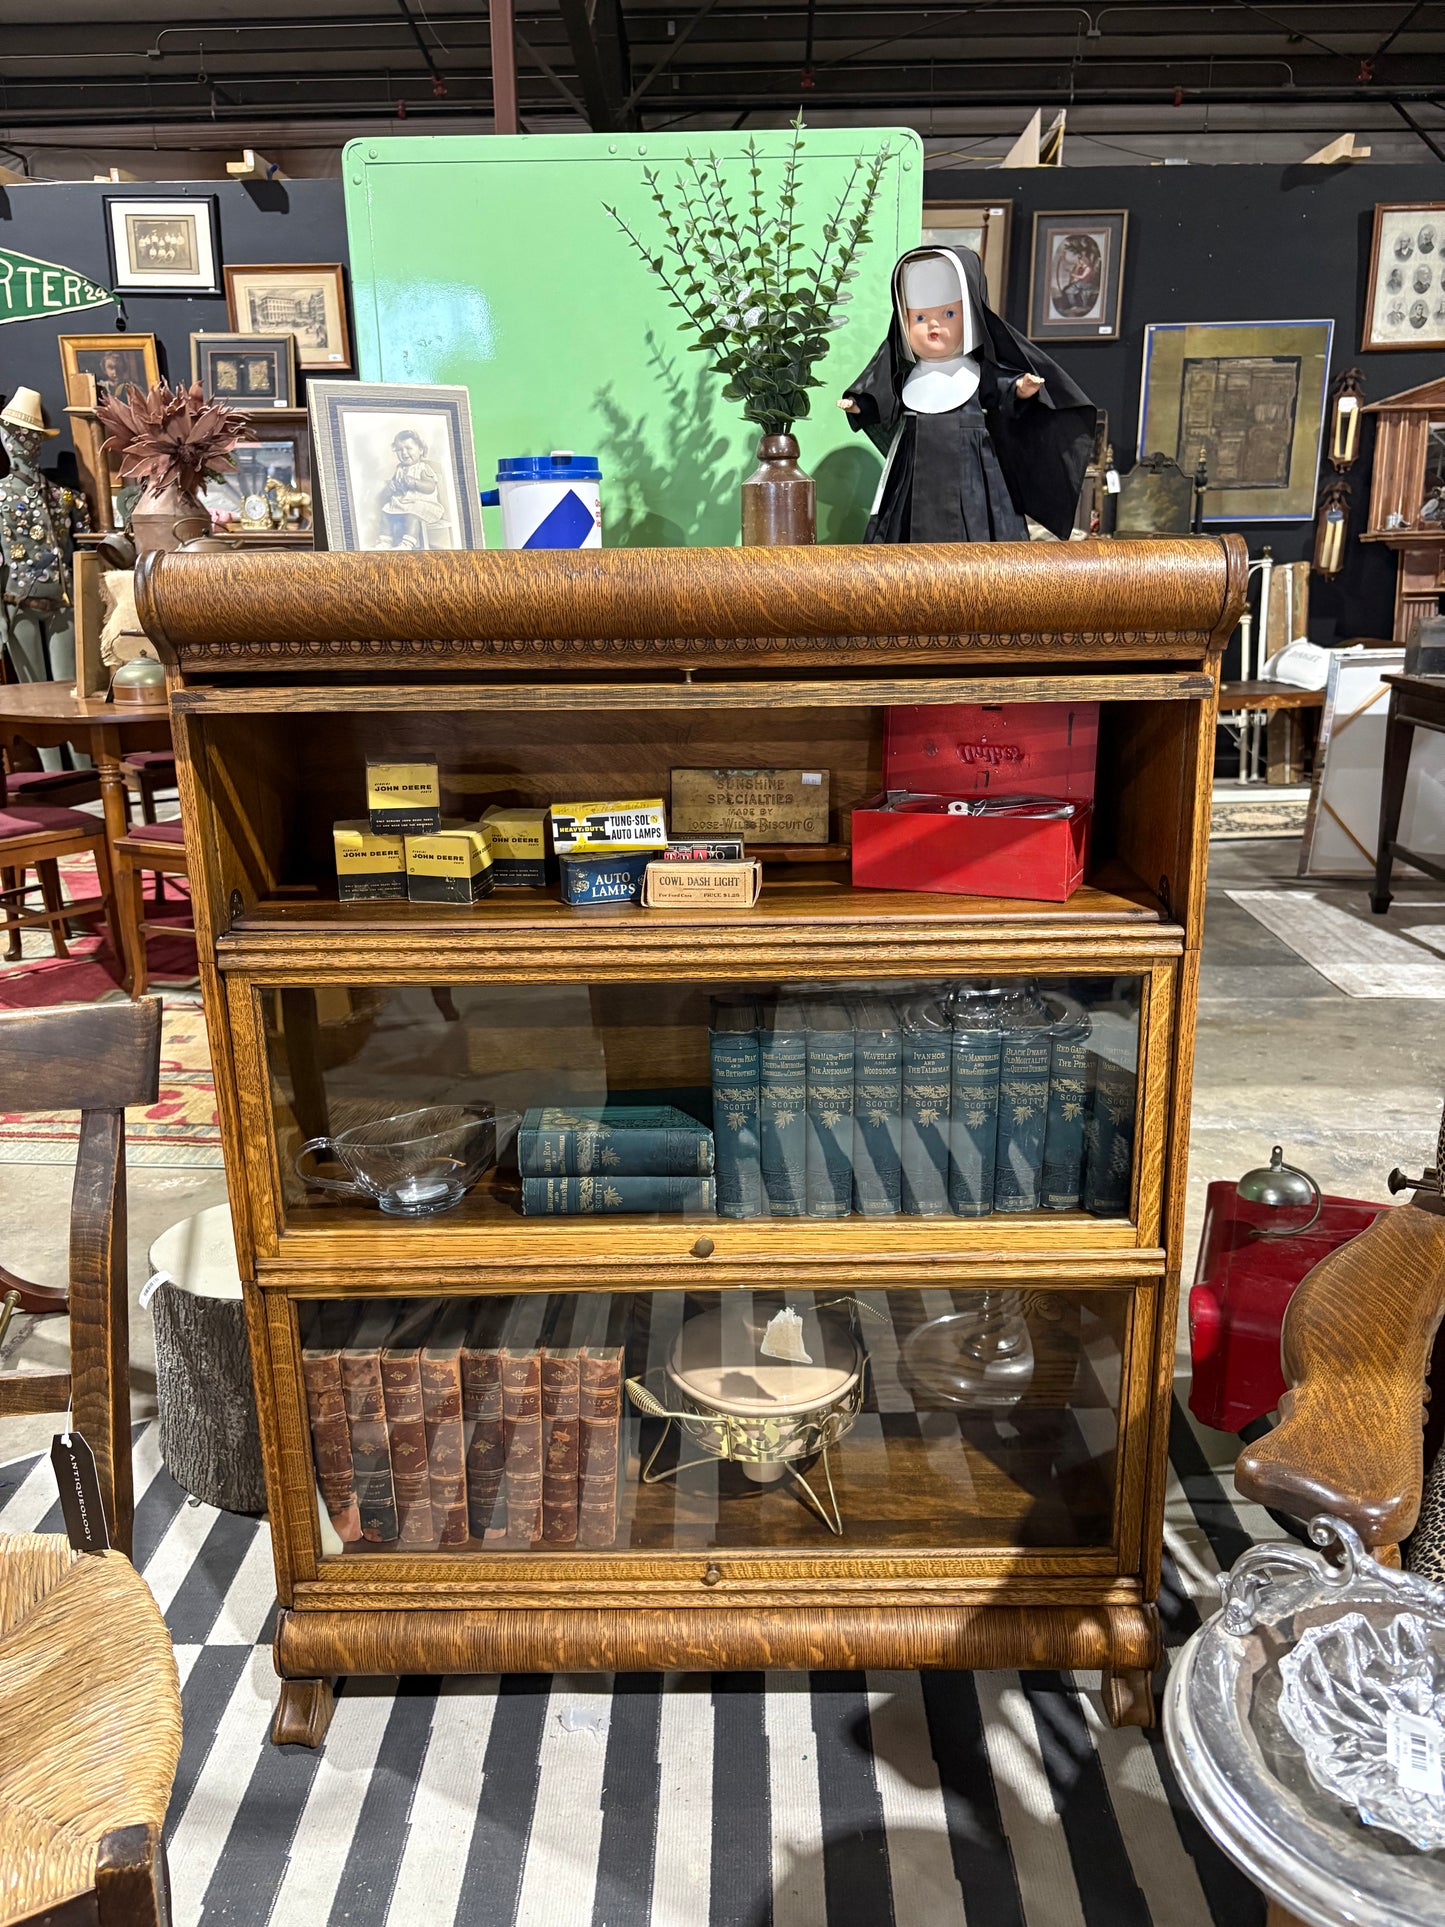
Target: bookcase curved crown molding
491 1440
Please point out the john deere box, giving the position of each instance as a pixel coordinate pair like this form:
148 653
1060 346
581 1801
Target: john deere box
519 846
369 868
590 880
452 865
404 796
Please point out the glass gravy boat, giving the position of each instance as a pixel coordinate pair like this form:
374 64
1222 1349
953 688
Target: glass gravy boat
415 1163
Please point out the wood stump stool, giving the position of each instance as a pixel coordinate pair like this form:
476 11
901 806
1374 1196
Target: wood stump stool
209 1437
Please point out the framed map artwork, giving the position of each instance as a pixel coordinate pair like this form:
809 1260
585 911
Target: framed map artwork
1246 397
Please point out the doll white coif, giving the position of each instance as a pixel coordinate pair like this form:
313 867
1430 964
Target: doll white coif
979 427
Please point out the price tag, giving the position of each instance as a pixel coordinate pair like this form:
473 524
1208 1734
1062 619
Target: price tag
80 1500
1415 1746
1111 481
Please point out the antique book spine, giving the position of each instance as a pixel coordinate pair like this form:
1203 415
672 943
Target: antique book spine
1063 1175
973 1120
331 1441
441 1397
1023 1103
587 1197
574 1151
783 1110
733 1045
877 1112
600 1428
522 1442
560 1447
482 1433
370 1452
829 1153
406 1433
927 1047
1109 1138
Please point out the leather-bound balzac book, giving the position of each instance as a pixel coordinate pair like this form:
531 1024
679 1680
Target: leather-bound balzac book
560 1449
599 1428
406 1432
366 1423
441 1399
330 1435
482 1422
522 1442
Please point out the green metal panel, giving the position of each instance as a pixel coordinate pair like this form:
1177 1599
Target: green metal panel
490 261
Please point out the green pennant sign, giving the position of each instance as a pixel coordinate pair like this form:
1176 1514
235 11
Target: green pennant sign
31 288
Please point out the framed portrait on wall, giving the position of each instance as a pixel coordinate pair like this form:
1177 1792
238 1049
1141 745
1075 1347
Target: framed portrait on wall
161 246
118 362
247 371
1249 398
395 466
306 300
269 488
981 225
1405 292
1076 275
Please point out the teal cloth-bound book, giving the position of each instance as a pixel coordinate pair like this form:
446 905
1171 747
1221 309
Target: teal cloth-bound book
877 1109
977 1043
829 1158
1023 1102
1063 1176
733 1047
927 1049
605 1197
619 1140
783 1108
1113 1096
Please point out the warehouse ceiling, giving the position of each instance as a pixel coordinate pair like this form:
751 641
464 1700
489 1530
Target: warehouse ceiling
221 72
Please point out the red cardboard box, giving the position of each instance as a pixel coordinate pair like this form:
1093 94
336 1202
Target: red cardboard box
974 749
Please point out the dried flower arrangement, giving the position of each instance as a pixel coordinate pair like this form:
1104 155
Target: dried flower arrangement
168 437
759 301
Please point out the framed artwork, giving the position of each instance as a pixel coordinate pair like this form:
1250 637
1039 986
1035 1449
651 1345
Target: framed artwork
1250 397
308 301
261 493
1076 275
1405 293
248 371
980 225
1343 822
118 363
163 247
395 466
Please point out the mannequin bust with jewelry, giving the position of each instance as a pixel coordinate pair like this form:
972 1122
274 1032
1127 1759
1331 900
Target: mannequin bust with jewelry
979 429
39 521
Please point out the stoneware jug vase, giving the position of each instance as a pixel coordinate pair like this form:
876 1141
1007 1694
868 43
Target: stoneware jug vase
779 505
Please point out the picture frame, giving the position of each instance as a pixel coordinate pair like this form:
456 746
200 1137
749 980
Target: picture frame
276 451
1405 289
395 466
246 371
983 226
117 362
1343 820
307 299
1076 274
162 246
1252 396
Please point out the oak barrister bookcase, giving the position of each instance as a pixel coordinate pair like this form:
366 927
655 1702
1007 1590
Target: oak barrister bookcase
1023 1531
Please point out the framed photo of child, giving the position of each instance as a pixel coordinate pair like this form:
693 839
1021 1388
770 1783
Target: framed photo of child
394 466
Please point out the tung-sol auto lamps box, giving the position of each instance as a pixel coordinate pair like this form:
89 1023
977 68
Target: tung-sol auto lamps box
580 829
452 865
369 868
588 881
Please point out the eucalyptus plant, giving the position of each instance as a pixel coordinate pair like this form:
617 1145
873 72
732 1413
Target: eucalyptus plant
755 296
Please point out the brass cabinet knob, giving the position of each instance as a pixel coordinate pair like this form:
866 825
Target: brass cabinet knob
703 1248
712 1575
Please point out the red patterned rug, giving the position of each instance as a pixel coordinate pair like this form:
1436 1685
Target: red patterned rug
92 970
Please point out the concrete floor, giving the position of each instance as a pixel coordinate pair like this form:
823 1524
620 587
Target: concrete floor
1349 1086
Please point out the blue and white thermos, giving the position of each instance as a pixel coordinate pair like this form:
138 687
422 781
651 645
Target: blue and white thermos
549 501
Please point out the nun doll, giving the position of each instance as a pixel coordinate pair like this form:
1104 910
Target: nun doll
979 428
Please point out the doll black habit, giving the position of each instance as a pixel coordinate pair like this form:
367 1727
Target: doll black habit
971 472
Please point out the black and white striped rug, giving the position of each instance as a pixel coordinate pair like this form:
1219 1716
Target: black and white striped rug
681 1800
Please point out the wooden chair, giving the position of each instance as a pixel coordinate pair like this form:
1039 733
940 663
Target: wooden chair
1357 1346
65 788
37 836
97 1059
158 847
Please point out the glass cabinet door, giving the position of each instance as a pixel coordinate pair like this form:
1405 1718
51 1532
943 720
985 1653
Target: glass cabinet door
960 1099
873 1422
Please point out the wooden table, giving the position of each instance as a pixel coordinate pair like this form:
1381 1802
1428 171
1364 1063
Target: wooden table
1416 702
46 714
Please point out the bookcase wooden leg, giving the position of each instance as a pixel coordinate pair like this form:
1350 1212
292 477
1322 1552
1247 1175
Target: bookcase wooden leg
303 1712
1129 1697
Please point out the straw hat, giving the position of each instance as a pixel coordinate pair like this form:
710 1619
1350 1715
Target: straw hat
23 411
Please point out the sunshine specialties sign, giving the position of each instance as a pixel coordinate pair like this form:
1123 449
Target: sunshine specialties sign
31 288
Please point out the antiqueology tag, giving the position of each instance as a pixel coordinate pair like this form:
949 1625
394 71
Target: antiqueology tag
80 1499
